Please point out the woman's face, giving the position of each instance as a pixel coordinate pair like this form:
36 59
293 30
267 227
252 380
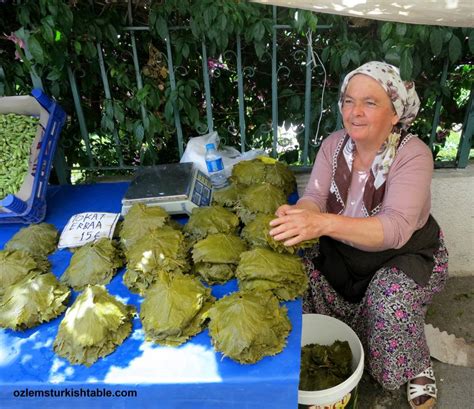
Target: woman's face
367 111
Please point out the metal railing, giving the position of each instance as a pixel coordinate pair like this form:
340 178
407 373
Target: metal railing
276 70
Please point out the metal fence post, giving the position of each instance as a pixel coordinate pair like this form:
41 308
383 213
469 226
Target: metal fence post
465 143
108 96
240 86
439 100
207 88
274 85
80 115
177 118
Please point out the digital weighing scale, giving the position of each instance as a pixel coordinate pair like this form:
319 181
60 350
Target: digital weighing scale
177 187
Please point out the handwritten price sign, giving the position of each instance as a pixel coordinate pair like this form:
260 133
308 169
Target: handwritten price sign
84 228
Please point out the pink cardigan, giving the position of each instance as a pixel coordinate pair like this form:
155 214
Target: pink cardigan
407 201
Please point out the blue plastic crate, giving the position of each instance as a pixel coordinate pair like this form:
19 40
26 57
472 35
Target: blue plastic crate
33 210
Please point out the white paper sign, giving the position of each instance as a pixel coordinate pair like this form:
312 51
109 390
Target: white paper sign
83 228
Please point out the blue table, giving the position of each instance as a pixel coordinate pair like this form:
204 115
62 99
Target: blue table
161 377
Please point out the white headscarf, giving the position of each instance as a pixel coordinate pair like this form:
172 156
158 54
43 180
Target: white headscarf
402 93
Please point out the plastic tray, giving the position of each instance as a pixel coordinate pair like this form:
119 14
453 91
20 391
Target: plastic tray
33 210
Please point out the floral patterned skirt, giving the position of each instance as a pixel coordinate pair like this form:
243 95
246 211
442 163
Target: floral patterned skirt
389 320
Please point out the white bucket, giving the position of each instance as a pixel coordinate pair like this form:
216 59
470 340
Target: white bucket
324 330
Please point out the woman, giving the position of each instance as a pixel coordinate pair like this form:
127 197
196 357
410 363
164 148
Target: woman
381 256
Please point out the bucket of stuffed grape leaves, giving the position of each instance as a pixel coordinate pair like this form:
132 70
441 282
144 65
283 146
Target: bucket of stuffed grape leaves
327 333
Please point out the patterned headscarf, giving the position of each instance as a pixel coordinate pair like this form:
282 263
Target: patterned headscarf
406 104
402 93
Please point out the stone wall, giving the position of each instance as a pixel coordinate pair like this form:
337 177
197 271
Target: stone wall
453 208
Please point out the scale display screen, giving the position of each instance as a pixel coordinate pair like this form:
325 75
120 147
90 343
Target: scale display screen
177 187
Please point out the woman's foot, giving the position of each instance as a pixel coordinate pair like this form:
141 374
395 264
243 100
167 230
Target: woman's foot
422 391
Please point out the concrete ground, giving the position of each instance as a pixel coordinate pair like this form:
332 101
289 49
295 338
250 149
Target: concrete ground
451 311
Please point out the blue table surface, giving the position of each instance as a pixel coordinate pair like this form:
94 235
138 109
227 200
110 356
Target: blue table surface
162 377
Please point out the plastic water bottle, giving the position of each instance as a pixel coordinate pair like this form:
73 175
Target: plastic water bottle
215 167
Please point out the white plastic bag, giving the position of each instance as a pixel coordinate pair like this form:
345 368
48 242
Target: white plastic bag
196 150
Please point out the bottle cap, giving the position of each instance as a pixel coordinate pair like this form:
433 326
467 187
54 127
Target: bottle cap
210 146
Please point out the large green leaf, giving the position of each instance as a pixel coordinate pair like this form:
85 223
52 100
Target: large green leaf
33 300
436 41
392 56
93 327
211 220
174 307
345 58
406 65
263 269
37 239
401 29
94 263
47 33
161 27
36 50
246 326
219 248
454 48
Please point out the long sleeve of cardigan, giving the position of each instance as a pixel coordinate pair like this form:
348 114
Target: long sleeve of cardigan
407 201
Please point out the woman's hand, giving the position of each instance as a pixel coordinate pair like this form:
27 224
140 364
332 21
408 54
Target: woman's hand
304 221
281 211
295 224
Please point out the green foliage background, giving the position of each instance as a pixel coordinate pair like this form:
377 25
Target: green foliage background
62 34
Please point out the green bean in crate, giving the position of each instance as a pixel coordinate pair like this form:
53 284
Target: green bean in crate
17 133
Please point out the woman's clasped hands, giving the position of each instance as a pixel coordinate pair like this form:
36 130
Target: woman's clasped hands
295 224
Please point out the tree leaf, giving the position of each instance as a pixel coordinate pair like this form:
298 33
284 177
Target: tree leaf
118 112
54 75
385 31
294 103
454 48
417 67
223 21
422 32
259 49
89 50
436 41
447 34
139 132
47 33
259 32
401 29
207 17
67 17
345 58
185 50
23 14
55 89
471 41
195 28
146 123
325 54
112 34
406 65
36 50
355 57
52 8
160 27
392 56
109 107
77 47
312 21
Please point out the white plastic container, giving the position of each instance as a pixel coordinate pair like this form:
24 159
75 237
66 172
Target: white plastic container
324 330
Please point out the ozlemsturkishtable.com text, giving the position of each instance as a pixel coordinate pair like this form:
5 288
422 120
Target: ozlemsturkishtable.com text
74 393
